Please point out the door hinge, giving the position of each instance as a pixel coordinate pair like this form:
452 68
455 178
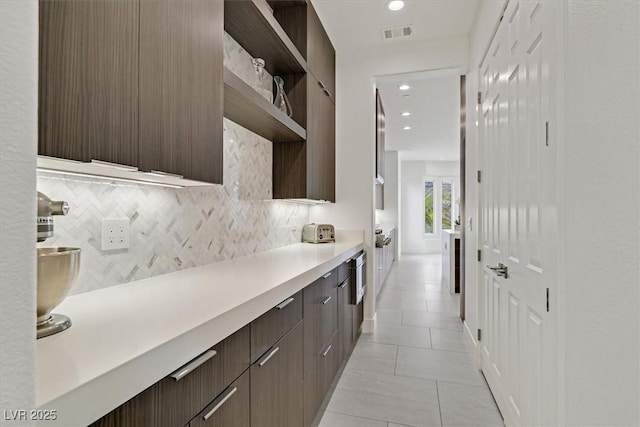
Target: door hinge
479 98
547 300
479 334
546 133
479 176
479 255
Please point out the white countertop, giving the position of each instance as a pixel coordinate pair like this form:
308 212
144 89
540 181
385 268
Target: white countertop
125 338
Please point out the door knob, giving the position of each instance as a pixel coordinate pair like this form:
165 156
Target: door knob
501 270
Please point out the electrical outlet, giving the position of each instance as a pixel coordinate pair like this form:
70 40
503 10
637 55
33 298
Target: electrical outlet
115 233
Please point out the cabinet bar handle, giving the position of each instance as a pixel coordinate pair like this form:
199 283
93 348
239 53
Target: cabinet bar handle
268 356
327 275
324 89
343 284
325 300
224 398
285 303
114 165
326 351
189 367
161 173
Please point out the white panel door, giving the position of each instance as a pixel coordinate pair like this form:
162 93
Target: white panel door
518 199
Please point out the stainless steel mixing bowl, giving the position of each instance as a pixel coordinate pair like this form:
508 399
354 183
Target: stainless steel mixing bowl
57 271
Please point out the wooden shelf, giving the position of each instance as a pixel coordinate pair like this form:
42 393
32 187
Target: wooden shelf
249 109
252 24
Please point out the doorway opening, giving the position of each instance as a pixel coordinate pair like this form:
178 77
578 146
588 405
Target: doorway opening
421 193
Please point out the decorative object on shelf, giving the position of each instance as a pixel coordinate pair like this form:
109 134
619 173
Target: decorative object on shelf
258 64
281 100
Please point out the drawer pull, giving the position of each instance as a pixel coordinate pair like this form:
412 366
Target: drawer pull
268 356
189 367
327 275
224 398
326 351
325 300
285 303
343 284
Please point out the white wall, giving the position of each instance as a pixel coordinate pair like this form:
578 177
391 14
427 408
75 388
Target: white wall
601 241
18 142
355 130
413 239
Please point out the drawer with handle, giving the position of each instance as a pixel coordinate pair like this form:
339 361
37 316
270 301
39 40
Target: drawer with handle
274 324
191 387
277 381
231 408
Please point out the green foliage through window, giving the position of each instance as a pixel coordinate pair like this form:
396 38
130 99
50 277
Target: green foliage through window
447 196
428 207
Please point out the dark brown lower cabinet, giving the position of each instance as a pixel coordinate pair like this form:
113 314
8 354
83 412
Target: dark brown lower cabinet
358 318
230 409
284 387
276 383
328 365
174 402
346 312
179 401
271 326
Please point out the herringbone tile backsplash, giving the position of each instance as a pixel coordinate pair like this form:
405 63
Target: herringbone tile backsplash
173 229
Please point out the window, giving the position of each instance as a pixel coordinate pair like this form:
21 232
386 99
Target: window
439 207
428 207
447 208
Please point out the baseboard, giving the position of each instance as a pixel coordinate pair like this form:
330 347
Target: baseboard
369 325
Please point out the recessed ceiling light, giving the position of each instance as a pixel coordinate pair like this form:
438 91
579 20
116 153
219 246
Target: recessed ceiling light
404 87
395 5
407 128
406 114
406 95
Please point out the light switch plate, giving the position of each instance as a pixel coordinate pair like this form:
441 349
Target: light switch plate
115 233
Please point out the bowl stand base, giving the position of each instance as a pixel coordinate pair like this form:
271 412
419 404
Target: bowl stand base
54 324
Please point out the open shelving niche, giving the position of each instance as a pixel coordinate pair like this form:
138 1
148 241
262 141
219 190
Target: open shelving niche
252 24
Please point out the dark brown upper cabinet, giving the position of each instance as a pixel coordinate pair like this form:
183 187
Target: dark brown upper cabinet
88 86
134 82
181 86
307 170
321 55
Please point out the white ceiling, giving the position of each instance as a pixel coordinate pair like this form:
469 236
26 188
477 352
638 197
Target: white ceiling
435 95
359 23
434 104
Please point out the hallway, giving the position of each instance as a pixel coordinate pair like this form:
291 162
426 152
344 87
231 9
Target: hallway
414 369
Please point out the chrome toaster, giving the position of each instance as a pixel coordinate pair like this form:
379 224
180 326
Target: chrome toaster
318 233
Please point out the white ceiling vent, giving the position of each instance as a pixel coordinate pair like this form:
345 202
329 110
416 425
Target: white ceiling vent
396 32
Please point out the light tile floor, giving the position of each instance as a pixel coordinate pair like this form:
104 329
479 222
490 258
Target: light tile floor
414 369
